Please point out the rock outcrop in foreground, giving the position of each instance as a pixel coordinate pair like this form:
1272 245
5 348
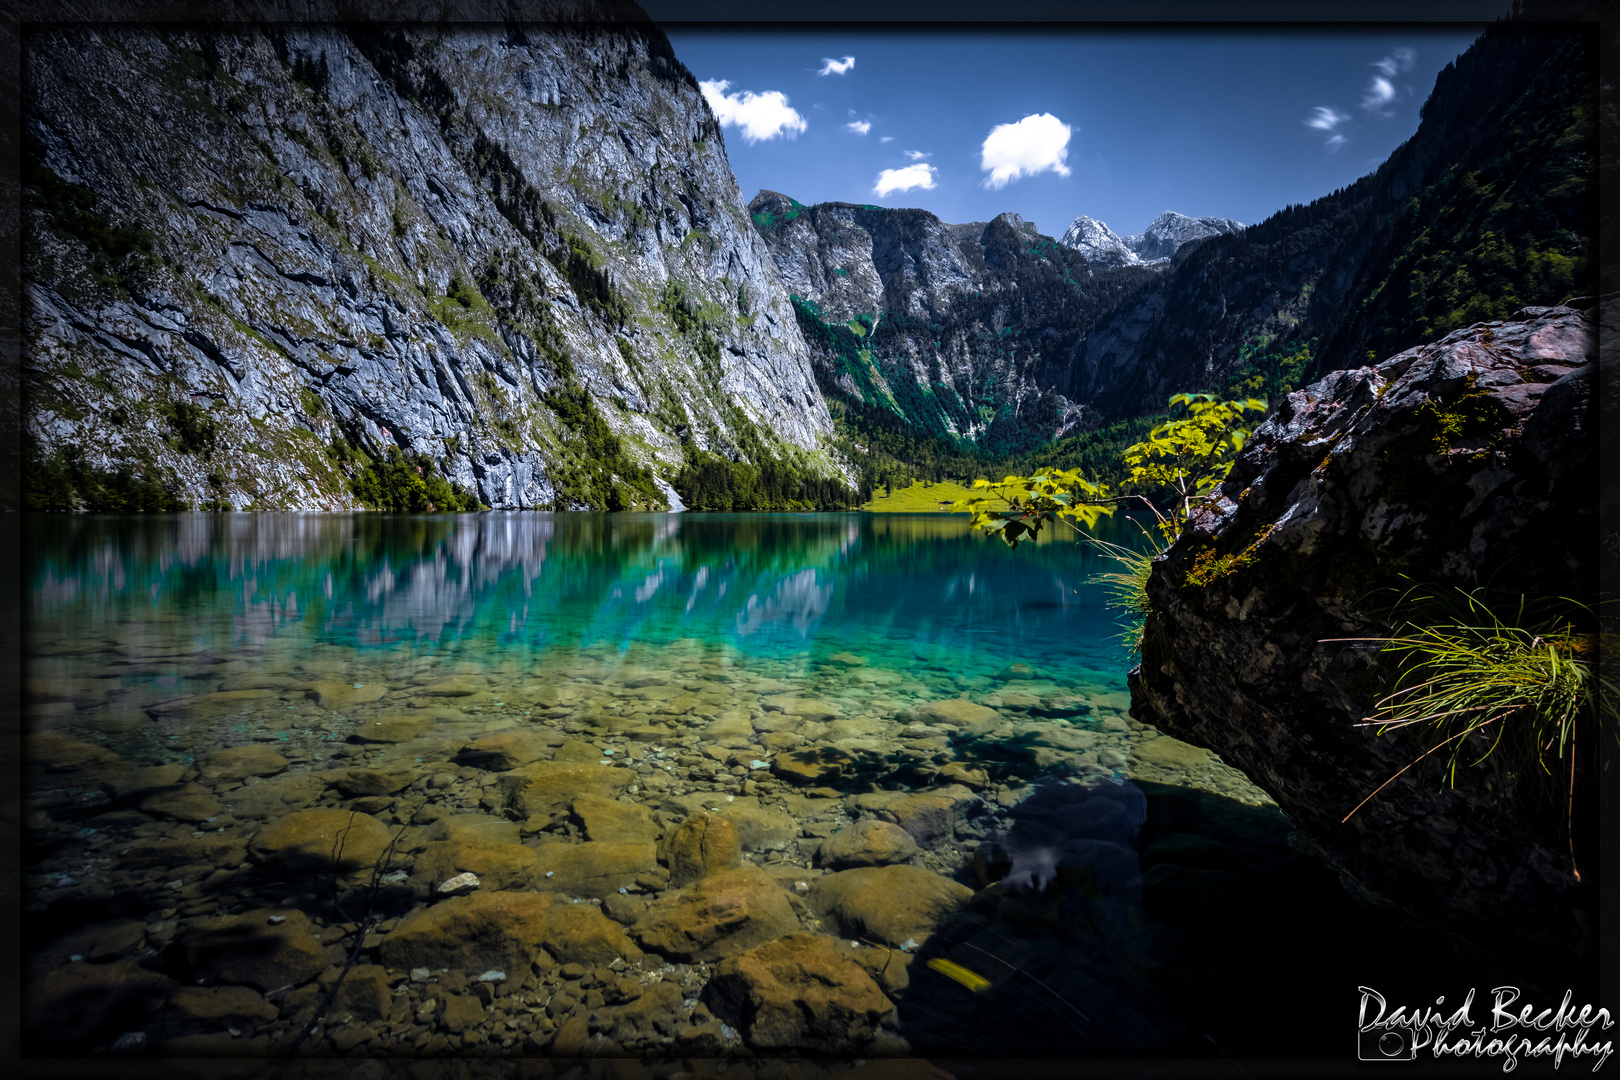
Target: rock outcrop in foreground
1468 461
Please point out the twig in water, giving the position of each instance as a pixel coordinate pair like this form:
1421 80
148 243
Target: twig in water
359 931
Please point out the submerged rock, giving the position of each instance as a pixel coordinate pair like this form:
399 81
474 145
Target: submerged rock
866 843
239 763
717 916
189 802
892 905
799 993
594 868
264 948
506 931
703 844
78 1005
610 820
322 841
547 788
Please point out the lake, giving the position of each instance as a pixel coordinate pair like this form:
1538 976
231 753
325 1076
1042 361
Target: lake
266 751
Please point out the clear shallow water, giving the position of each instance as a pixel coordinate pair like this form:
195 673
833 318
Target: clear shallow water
711 663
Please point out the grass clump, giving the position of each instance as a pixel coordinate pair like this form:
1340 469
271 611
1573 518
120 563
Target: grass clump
1484 678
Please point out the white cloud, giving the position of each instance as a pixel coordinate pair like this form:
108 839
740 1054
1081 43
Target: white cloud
1326 119
1380 88
836 67
761 116
859 127
916 155
912 176
1398 60
1380 92
1035 144
1334 142
887 138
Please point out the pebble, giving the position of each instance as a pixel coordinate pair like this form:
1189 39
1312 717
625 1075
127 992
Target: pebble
458 885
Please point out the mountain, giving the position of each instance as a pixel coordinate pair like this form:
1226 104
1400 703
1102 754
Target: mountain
1490 206
1098 243
959 332
1169 233
313 267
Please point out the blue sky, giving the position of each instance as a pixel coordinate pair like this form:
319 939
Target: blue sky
1118 124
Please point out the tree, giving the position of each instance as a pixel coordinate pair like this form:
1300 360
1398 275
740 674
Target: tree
1185 457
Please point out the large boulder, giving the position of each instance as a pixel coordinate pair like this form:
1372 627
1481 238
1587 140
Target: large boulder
1472 459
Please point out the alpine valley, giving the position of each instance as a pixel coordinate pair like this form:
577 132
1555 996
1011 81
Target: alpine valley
401 267
456 267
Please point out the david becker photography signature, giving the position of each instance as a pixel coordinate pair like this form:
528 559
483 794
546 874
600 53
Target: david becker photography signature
1509 1030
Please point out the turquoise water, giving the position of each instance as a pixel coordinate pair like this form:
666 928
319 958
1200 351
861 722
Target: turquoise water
797 674
914 590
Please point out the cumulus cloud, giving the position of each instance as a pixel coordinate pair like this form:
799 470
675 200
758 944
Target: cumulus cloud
1037 143
760 116
916 155
859 127
830 66
912 176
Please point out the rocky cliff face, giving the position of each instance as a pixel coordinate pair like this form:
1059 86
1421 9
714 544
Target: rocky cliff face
259 260
1464 462
955 330
1168 234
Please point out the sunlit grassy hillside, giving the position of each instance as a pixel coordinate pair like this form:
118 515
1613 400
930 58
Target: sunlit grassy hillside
919 498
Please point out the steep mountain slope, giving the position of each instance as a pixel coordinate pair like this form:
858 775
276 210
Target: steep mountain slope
1488 207
952 330
262 264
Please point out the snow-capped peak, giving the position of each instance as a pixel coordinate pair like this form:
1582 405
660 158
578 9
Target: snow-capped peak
1162 239
1097 242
